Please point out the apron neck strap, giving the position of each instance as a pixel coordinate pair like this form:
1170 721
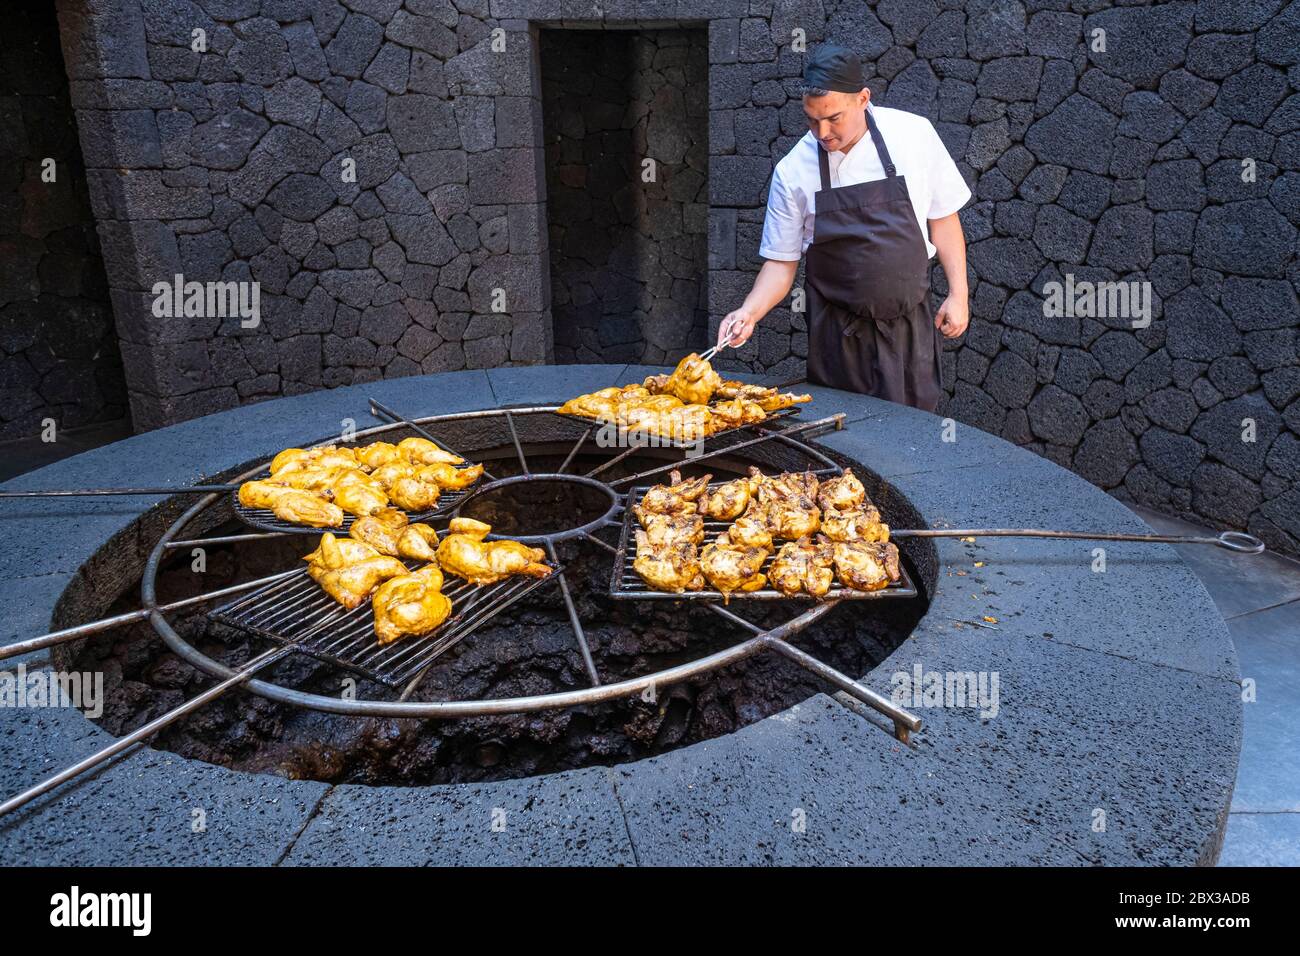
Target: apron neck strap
824 163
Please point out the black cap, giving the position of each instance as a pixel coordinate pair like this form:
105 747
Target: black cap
832 67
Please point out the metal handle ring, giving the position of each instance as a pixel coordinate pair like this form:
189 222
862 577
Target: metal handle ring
1241 542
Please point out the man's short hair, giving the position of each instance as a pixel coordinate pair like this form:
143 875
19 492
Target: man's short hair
814 91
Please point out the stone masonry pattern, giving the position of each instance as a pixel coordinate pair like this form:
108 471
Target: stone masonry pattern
1115 164
58 350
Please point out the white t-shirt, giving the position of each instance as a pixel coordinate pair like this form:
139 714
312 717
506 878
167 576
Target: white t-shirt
934 184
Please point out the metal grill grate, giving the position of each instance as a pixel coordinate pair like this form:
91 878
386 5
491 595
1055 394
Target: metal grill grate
655 441
266 520
296 611
625 584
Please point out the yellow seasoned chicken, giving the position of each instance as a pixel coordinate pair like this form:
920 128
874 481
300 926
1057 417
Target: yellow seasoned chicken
410 605
380 530
693 381
844 492
418 541
735 413
260 494
305 507
377 454
670 529
731 567
676 497
464 553
334 552
348 570
768 399
359 499
802 567
424 452
731 498
750 529
414 494
866 566
298 459
674 567
860 524
445 476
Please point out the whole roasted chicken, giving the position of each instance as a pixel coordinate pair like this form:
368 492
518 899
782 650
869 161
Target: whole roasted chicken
693 381
465 553
673 567
866 565
670 529
732 567
803 567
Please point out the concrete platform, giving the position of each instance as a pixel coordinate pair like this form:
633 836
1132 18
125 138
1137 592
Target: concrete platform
1115 738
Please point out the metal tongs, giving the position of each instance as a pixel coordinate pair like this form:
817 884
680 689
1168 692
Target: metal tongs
706 355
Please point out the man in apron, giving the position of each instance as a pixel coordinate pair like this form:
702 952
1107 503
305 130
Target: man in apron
869 195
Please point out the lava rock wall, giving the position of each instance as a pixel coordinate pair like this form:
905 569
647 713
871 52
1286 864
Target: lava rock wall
628 241
1119 161
58 350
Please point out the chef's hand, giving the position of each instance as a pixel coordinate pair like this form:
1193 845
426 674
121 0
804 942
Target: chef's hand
953 316
736 328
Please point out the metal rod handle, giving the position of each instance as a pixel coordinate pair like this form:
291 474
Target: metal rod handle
258 663
1232 540
199 489
103 624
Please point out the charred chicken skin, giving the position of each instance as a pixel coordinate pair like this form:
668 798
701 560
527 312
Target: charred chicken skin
732 567
410 605
664 530
866 565
676 497
731 498
803 567
861 524
843 493
673 567
465 553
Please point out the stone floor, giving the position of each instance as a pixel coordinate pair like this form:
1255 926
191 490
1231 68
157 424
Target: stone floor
1259 598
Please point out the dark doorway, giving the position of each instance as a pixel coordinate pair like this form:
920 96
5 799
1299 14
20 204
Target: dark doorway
625 115
59 357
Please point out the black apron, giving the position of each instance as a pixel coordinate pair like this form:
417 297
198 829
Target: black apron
870 327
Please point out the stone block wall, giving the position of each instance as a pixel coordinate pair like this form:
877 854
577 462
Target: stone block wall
58 350
628 241
1118 160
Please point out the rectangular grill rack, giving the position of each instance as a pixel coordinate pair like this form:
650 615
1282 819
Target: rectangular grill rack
772 417
295 611
626 585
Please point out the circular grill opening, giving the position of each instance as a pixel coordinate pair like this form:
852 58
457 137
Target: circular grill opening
527 649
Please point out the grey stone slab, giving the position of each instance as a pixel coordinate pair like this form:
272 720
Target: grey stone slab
1262 839
862 799
1267 642
1239 583
558 819
548 384
140 811
1074 732
28 604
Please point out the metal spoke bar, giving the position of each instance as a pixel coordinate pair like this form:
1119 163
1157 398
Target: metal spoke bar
1232 540
587 660
393 416
227 539
734 618
573 451
615 460
904 722
185 489
836 421
104 624
261 662
592 538
514 437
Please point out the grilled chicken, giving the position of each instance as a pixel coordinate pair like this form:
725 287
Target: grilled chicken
750 529
843 493
424 452
464 553
664 530
348 570
735 413
803 567
445 476
769 399
866 566
381 530
359 499
298 459
413 494
377 454
410 604
789 483
730 498
730 567
860 524
261 494
693 381
418 541
305 507
677 497
389 473
674 567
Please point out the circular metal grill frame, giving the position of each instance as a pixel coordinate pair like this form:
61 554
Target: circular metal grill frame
761 640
